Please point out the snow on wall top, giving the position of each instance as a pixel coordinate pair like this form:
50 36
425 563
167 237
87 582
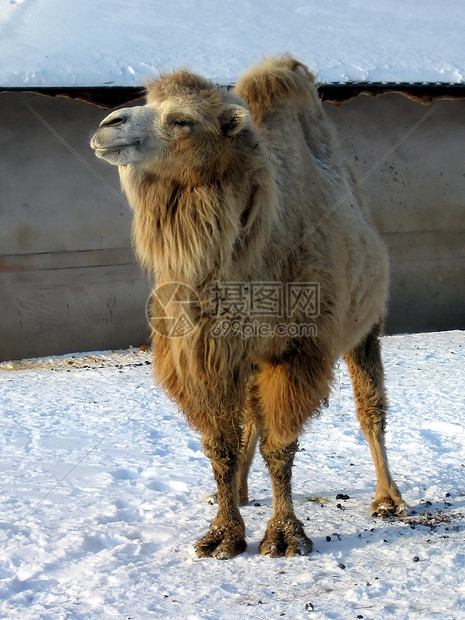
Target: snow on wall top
120 43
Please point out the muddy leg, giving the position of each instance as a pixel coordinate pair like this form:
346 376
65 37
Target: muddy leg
366 371
249 444
285 534
226 536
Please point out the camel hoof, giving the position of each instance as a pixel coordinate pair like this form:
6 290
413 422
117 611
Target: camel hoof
389 507
285 538
221 544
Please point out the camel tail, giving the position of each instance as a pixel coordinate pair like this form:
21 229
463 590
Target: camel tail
275 82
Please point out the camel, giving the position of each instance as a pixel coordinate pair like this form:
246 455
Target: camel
235 193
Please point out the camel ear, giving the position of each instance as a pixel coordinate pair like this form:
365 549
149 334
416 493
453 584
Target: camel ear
233 119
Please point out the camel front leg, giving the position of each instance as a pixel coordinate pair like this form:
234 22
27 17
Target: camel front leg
226 536
249 444
286 393
285 534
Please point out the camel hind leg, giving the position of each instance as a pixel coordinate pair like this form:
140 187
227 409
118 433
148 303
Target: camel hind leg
366 371
249 443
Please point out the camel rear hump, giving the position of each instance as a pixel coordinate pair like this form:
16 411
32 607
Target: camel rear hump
275 82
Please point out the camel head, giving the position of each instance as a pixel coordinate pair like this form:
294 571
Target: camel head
186 127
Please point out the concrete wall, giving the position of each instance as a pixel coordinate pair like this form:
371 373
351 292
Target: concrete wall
68 280
417 197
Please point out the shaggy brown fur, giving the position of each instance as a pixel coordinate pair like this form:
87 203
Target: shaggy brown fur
245 187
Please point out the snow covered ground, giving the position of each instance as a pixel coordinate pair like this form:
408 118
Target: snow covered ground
102 486
120 43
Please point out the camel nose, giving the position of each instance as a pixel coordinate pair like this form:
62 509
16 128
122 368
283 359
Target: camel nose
114 119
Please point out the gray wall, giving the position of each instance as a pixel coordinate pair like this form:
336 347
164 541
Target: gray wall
68 280
417 197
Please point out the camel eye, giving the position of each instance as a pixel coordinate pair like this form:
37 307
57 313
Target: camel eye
182 123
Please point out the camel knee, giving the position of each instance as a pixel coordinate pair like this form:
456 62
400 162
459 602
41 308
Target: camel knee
224 456
278 457
371 410
224 459
279 461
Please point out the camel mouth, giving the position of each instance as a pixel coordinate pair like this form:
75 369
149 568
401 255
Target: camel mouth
111 148
119 153
114 148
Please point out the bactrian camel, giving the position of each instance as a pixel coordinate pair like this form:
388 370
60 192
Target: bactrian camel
249 187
